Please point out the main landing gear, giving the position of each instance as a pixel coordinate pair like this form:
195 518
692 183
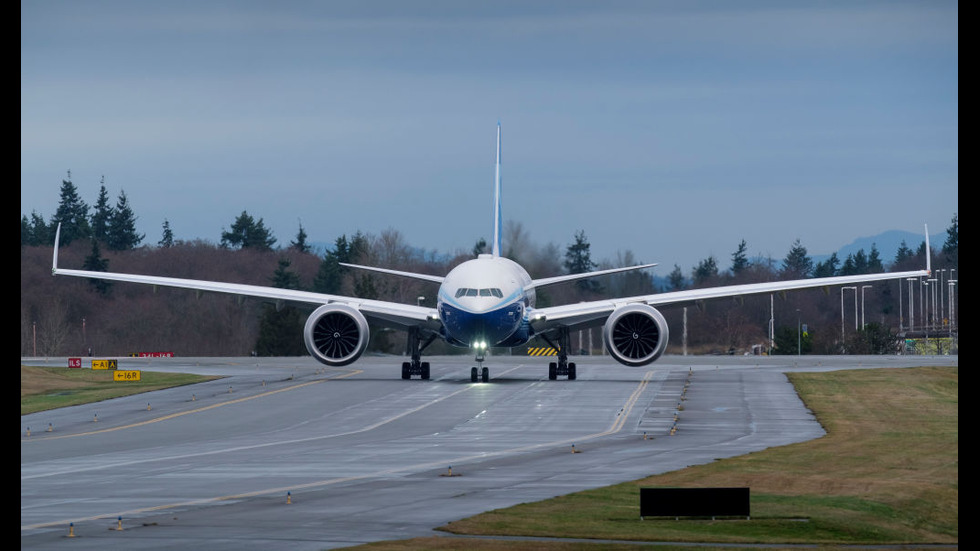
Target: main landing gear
562 367
416 346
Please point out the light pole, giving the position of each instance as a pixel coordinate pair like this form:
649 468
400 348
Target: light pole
863 287
911 305
951 282
772 326
922 308
842 311
942 309
900 314
799 340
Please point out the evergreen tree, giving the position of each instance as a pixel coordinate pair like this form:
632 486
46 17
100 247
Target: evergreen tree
25 231
828 267
300 244
860 262
329 277
797 265
72 214
903 254
480 247
676 279
34 231
102 217
122 234
706 270
246 233
740 259
952 244
578 260
168 236
358 249
875 266
281 329
95 263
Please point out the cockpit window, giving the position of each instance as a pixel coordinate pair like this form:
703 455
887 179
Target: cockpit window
493 292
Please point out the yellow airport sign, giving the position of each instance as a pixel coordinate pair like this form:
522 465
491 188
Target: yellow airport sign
104 364
126 375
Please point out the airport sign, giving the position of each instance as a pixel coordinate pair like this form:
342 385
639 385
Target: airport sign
104 364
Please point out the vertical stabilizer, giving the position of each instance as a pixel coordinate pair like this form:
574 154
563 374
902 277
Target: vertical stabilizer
496 200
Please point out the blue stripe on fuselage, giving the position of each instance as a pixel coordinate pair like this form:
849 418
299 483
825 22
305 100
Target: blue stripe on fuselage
492 326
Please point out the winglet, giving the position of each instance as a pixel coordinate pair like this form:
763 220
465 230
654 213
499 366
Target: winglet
928 253
54 260
496 200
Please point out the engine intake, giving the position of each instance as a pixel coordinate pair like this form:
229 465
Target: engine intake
336 334
635 334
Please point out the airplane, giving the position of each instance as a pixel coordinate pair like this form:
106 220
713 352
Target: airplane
487 302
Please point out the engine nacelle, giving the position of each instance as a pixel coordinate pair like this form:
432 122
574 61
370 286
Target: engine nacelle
635 334
336 334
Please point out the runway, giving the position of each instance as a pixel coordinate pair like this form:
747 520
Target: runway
286 453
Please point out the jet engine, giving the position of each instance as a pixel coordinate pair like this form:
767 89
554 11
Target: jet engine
635 334
336 334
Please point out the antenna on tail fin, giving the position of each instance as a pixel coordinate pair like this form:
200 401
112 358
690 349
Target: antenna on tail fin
496 200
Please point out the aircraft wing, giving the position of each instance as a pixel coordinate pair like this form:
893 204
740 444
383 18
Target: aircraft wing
391 314
594 312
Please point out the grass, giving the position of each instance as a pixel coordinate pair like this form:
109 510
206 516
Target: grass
885 474
44 388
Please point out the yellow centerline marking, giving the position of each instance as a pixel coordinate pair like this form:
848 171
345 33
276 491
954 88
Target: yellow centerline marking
616 426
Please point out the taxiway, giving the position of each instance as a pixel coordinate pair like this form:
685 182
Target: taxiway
286 453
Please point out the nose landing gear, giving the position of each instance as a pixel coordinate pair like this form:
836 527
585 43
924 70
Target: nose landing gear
481 373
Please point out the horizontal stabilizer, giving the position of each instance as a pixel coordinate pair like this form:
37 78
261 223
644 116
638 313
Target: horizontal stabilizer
413 275
573 277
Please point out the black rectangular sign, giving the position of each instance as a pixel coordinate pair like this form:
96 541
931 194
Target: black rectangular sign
694 502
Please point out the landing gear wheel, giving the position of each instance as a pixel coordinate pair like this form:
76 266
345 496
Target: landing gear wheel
406 370
571 371
425 371
552 371
486 375
473 375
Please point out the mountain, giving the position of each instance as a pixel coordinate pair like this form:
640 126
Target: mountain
887 244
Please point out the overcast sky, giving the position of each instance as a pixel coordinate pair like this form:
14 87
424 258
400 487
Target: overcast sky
670 129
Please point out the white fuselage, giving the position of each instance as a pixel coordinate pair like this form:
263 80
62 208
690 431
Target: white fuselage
484 302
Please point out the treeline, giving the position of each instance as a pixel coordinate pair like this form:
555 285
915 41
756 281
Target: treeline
62 316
